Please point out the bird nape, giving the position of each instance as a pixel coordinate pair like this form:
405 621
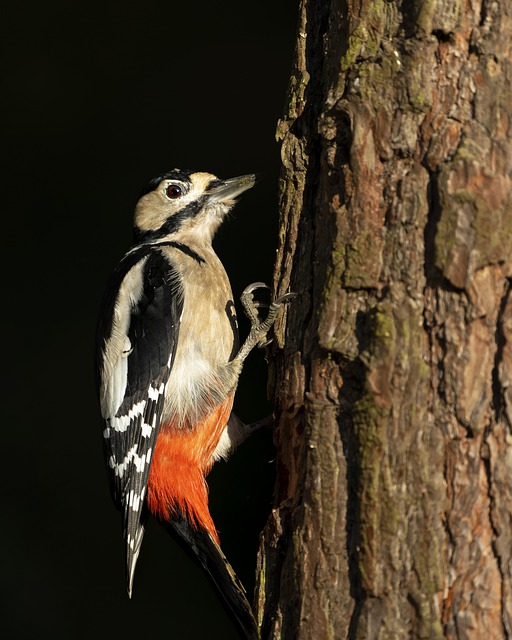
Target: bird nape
168 363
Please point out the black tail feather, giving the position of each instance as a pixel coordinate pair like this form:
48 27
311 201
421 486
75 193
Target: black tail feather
207 553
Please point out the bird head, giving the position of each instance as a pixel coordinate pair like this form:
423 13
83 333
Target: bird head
183 203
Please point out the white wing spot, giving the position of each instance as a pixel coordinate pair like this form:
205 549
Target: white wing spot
134 501
154 393
139 462
120 468
122 423
146 429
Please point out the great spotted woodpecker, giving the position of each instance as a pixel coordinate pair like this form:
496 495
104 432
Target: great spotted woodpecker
168 365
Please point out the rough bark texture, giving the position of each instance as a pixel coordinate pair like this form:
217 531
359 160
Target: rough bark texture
393 505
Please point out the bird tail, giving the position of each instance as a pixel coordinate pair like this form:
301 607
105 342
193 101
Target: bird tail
133 533
207 553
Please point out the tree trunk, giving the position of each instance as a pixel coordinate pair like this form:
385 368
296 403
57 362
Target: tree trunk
393 503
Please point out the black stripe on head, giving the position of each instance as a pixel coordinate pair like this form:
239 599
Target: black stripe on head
176 174
172 224
213 185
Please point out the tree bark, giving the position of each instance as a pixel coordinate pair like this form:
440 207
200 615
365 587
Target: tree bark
391 373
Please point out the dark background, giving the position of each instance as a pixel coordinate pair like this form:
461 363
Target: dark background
97 99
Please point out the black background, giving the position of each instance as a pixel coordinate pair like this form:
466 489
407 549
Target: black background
98 98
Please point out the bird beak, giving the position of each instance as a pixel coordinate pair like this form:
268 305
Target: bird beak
222 190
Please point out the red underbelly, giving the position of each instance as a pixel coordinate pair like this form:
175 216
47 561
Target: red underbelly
180 462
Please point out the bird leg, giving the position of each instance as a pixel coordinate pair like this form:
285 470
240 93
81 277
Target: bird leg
259 328
237 431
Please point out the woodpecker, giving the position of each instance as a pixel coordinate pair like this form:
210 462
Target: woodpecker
168 364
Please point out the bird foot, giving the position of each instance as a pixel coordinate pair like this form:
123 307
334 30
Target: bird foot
259 328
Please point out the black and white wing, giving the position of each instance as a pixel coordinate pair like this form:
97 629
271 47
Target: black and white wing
138 335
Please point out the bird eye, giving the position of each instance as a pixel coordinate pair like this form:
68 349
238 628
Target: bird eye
173 191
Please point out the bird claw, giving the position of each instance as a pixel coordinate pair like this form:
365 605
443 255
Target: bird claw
284 298
249 304
252 287
259 328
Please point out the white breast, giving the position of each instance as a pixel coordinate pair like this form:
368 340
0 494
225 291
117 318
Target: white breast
199 378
